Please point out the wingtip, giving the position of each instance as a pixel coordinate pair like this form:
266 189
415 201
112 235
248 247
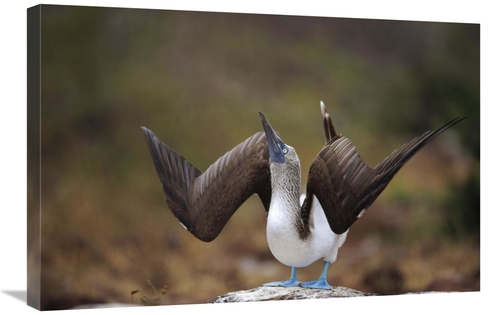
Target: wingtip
145 130
323 108
452 122
324 113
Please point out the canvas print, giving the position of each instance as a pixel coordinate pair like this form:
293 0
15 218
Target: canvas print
179 157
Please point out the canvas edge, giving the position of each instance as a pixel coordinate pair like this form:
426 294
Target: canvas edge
33 156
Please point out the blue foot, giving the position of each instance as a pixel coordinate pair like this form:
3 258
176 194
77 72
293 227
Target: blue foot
321 283
287 283
316 284
292 282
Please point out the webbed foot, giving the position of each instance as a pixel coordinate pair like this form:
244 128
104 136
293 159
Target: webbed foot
292 282
286 283
321 283
316 284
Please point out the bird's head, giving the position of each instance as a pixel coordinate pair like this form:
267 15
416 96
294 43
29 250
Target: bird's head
279 152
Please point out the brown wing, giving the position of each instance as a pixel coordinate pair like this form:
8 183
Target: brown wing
204 202
345 185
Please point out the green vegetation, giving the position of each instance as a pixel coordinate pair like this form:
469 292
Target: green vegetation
155 295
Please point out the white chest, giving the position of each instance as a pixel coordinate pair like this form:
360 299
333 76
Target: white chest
285 243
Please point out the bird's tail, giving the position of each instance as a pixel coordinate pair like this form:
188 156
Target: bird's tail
327 124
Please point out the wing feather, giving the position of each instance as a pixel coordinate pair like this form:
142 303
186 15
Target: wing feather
204 202
345 185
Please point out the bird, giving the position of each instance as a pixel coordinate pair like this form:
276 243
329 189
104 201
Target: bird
300 228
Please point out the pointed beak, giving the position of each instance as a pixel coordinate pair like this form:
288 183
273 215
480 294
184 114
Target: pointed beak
277 148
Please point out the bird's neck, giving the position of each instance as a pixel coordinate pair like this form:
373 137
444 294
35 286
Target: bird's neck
285 182
285 210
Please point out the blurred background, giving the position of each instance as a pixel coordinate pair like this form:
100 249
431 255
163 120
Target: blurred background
198 81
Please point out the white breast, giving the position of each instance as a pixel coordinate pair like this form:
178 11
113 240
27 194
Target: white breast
284 241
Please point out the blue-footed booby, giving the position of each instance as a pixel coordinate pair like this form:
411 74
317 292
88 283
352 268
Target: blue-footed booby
300 228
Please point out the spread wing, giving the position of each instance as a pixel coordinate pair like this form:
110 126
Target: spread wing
204 202
345 185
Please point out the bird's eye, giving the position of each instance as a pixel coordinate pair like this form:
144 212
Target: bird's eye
285 151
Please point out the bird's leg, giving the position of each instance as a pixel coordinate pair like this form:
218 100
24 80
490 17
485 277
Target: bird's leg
292 282
321 283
